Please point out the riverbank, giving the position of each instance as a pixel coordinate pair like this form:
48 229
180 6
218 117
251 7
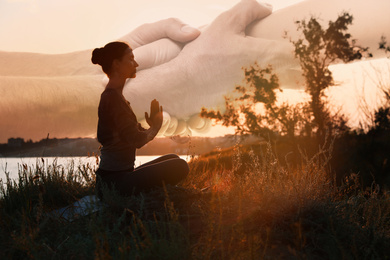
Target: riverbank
17 147
11 166
245 209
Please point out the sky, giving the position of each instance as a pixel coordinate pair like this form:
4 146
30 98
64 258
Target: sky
59 26
62 26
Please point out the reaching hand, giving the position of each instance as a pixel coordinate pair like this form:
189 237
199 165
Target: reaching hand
156 43
207 68
32 81
60 93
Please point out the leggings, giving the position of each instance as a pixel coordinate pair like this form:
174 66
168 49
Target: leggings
167 169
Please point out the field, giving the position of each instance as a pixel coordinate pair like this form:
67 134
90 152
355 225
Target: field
235 204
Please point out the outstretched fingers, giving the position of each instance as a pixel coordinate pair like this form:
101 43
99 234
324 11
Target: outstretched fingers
156 43
156 53
171 28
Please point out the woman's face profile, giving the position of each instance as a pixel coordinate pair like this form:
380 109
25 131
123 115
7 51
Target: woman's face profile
128 65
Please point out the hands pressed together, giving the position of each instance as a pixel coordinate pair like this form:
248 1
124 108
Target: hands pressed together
201 72
159 42
187 77
155 119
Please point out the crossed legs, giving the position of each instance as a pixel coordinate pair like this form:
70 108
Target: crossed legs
167 169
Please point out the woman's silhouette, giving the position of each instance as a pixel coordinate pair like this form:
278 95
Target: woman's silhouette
120 134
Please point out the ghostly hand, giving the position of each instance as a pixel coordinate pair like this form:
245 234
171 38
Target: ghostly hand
156 43
59 94
209 67
205 70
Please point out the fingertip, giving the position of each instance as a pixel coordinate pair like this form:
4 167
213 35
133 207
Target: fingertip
267 5
189 30
182 32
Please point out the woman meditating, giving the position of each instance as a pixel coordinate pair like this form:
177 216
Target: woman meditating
120 134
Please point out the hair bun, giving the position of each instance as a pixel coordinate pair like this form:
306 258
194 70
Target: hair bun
105 56
98 56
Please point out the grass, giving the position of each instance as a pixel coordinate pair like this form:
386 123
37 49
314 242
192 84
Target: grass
236 204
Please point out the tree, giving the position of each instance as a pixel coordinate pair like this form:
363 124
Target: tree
384 46
255 110
252 108
316 51
382 114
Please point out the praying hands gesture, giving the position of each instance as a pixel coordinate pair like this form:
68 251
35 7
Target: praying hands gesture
205 70
155 119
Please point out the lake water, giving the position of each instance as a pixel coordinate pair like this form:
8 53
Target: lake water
11 165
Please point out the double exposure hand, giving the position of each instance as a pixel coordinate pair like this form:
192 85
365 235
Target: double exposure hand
60 93
156 43
42 85
207 68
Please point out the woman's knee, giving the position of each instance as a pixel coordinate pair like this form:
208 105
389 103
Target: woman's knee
176 169
183 166
170 156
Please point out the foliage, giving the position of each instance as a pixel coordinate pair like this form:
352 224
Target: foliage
316 51
384 46
381 119
253 109
252 208
239 203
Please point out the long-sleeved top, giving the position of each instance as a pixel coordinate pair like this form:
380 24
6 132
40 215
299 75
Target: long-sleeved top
118 131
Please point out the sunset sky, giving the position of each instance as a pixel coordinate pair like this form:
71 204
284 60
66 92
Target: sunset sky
63 26
59 26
